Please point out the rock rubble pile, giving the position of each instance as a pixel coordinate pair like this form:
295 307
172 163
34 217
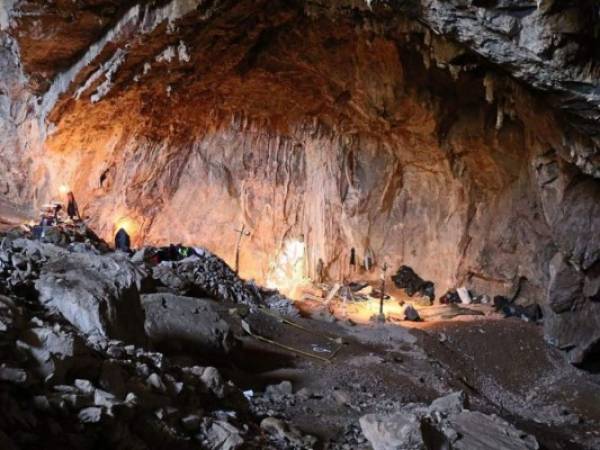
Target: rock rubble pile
78 370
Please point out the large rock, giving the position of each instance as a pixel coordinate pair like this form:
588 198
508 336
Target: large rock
565 286
393 432
56 352
445 422
97 294
576 331
179 321
221 435
572 314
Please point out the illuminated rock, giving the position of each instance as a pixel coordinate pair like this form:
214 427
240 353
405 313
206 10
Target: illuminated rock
97 294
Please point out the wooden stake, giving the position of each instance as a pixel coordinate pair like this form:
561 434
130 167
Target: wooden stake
242 233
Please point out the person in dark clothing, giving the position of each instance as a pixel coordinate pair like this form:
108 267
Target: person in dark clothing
72 208
122 241
352 260
173 253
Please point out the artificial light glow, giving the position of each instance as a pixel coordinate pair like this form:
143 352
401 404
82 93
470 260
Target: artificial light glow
129 225
64 189
362 311
287 270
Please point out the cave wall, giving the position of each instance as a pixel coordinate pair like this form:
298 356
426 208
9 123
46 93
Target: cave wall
19 134
447 194
341 128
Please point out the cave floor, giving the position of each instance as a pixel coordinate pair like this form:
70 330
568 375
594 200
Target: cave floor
503 365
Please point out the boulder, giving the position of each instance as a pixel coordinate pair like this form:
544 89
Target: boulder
56 352
576 331
571 314
282 431
221 435
176 321
393 432
445 422
565 285
97 294
478 431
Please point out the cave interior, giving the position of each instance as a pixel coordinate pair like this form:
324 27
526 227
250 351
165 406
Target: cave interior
272 224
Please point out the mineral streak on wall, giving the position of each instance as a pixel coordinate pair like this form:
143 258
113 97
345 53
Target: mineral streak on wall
460 139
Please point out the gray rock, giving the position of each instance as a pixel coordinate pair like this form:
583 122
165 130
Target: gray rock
576 331
221 435
281 430
410 428
41 403
192 323
56 352
571 316
206 275
92 414
103 398
282 305
277 391
565 285
478 431
410 313
210 378
13 375
213 381
97 294
342 398
451 403
155 382
400 431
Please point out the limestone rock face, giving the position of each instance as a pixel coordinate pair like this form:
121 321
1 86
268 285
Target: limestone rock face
534 41
459 138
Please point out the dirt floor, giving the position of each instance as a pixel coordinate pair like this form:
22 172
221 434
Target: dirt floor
503 365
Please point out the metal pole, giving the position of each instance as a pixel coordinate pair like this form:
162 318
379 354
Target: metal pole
383 271
237 247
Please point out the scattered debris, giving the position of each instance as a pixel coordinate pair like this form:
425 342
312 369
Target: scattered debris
450 297
407 279
529 313
410 313
445 422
